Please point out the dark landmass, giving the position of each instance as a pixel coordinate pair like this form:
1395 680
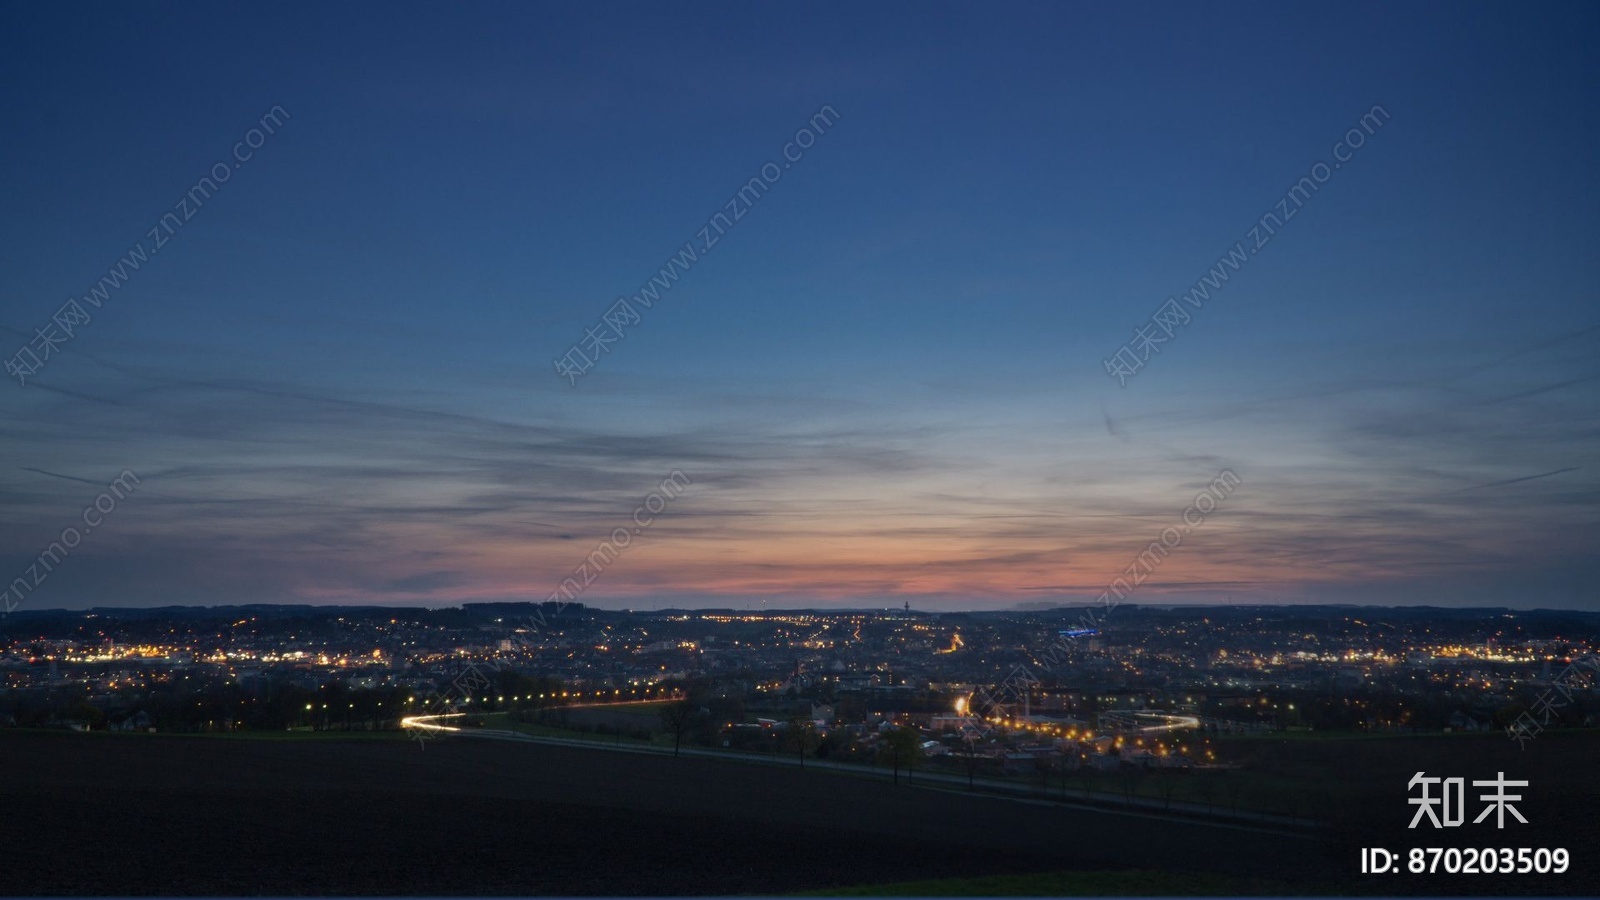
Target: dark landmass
301 815
151 814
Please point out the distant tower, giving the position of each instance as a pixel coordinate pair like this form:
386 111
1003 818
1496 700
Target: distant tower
908 606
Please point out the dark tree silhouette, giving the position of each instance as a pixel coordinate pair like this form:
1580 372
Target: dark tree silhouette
901 747
678 718
801 736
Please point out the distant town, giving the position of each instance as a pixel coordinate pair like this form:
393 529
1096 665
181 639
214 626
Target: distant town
997 693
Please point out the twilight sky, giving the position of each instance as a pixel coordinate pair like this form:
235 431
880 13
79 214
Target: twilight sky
885 381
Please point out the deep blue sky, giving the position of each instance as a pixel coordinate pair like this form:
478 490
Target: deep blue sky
335 380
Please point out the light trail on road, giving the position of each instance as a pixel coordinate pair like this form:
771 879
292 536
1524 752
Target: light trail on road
430 724
424 723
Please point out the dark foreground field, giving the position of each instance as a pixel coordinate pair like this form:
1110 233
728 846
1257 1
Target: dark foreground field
151 814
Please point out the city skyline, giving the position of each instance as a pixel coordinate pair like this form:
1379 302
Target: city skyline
335 371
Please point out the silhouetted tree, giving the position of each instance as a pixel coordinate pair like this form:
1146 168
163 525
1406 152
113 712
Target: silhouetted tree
678 718
972 760
901 747
801 736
